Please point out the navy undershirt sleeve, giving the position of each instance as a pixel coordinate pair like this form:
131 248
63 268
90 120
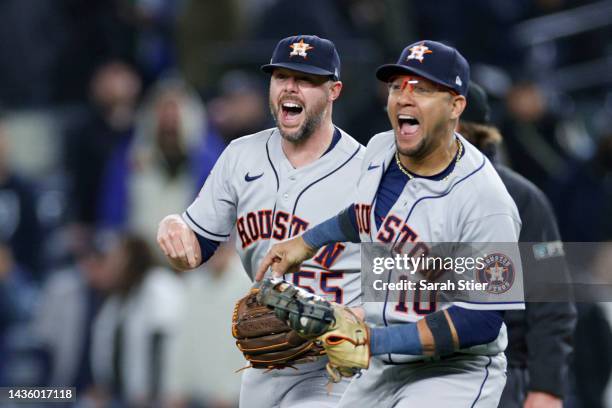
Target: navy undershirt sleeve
207 246
348 224
474 327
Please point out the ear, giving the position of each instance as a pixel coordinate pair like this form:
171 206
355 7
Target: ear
335 89
458 105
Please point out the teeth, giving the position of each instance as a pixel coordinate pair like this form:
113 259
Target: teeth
406 117
291 105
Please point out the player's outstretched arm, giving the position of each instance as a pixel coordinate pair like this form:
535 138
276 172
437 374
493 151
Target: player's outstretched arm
439 333
287 256
179 243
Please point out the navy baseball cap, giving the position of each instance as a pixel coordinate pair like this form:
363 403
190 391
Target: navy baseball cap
477 109
306 53
435 61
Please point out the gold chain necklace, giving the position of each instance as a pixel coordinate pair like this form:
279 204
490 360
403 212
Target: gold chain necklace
410 176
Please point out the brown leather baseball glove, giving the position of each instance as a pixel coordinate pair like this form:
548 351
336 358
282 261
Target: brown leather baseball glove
265 340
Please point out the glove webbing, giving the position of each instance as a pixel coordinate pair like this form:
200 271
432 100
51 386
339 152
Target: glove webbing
308 314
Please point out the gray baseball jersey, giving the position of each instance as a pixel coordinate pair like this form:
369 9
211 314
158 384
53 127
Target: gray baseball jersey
470 205
254 192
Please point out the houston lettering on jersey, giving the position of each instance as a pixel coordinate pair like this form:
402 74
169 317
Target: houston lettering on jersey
390 228
258 225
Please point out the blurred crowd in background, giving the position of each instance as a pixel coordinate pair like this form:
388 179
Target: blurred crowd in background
115 111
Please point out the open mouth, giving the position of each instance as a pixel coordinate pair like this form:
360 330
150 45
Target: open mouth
408 124
291 109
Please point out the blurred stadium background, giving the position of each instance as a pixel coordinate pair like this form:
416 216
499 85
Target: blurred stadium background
114 111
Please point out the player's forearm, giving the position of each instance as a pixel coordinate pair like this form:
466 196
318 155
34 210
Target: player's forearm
340 228
440 333
429 336
399 339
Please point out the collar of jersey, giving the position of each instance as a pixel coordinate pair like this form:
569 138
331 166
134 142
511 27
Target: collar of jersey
328 158
335 139
436 177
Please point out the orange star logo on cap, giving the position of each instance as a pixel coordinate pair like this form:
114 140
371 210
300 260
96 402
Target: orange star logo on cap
300 48
418 52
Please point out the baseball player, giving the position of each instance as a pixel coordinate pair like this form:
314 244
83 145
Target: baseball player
276 184
540 337
420 182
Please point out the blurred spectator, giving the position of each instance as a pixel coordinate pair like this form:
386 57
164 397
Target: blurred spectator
338 20
133 332
32 34
19 223
388 24
17 300
241 107
584 197
92 32
209 301
154 23
162 169
70 299
540 141
481 29
560 52
108 123
16 290
322 17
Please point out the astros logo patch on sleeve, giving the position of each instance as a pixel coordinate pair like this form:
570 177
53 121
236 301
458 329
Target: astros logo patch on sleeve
498 273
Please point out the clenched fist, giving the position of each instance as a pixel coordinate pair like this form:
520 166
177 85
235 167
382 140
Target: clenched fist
179 243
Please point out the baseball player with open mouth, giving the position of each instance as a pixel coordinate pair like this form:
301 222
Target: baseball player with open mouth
420 182
271 186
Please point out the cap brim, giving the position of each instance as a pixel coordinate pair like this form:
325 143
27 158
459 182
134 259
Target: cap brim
388 71
268 68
